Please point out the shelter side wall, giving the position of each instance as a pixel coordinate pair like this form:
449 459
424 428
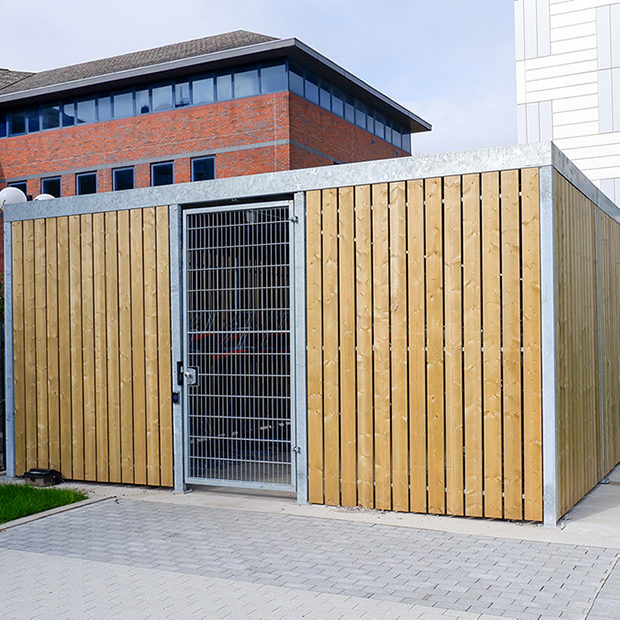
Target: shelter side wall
579 406
609 245
92 366
424 351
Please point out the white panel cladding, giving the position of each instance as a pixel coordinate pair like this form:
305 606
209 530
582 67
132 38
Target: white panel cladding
572 117
608 186
531 28
564 6
579 80
615 34
605 101
519 31
522 123
574 45
544 33
533 122
521 87
615 97
576 103
563 81
546 121
549 73
578 129
583 29
569 91
603 30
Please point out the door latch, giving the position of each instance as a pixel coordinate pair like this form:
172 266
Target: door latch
191 376
296 449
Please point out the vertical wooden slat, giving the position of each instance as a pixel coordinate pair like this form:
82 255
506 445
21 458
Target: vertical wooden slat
511 341
77 402
532 387
29 347
472 357
40 319
381 340
434 347
101 347
164 347
112 339
19 352
137 337
125 346
64 352
363 279
52 345
314 272
398 361
492 333
453 301
331 422
417 344
150 348
346 284
88 346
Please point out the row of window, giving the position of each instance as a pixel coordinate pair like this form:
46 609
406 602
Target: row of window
320 92
162 173
200 90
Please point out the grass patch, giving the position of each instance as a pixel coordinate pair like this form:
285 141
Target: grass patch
21 500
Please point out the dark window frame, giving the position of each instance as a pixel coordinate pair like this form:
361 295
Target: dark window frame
82 176
46 180
115 183
196 160
161 164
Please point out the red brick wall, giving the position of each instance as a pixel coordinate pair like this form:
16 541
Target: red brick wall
156 137
327 133
233 126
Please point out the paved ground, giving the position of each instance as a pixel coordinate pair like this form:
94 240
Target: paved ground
153 554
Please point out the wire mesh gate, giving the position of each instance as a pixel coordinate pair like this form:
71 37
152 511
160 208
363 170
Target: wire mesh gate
238 399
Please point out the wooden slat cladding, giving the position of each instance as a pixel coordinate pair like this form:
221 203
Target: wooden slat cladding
580 464
421 295
91 315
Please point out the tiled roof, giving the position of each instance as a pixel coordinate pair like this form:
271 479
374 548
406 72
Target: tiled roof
8 77
146 58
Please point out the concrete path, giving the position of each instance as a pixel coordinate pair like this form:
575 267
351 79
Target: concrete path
152 554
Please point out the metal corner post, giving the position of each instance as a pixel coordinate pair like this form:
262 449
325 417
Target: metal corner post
299 352
176 314
548 346
9 398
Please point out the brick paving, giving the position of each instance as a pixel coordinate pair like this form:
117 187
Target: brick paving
126 558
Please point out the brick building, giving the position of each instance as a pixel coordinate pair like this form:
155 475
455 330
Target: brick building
227 105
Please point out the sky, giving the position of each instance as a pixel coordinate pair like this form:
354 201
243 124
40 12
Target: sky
449 61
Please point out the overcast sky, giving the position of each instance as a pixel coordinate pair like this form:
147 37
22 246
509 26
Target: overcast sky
449 61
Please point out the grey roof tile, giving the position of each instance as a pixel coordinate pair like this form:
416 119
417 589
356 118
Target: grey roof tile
134 60
8 77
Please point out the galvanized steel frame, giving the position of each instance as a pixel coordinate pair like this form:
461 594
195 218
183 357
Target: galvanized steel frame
293 221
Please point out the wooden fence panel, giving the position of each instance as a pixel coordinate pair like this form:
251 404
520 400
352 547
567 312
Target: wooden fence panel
76 285
578 345
440 422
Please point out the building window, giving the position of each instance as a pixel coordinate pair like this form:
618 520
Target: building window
86 111
51 186
122 105
86 183
162 174
122 178
203 169
50 116
20 185
17 123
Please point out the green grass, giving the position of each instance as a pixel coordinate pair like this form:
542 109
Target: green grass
21 500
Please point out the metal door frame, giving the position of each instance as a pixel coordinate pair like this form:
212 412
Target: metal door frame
296 267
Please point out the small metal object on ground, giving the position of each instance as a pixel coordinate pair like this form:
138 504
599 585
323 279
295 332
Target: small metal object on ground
43 477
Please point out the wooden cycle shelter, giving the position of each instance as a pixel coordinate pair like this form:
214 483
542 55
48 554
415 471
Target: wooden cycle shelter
426 334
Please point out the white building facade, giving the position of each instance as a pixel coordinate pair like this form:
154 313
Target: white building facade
568 82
